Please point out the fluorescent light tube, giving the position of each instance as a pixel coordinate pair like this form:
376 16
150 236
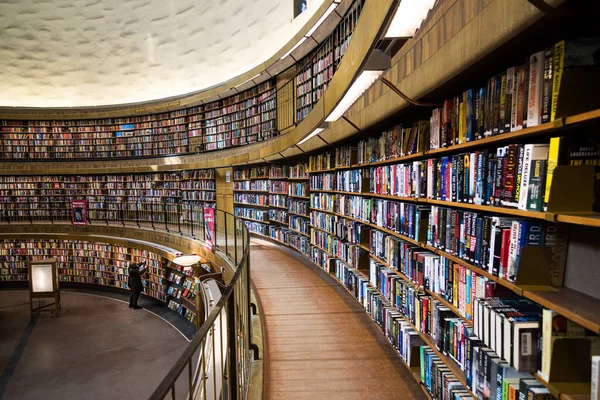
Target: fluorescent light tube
322 19
290 51
248 80
359 86
408 18
312 134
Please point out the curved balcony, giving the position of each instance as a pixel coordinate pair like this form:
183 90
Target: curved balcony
217 361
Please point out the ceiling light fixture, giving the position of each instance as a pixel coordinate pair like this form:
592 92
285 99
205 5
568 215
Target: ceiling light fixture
323 17
312 30
408 18
377 63
248 80
314 133
290 51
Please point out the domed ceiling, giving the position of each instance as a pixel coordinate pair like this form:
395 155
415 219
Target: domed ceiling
59 53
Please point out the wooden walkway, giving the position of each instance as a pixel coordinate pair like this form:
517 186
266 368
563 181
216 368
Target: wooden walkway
319 342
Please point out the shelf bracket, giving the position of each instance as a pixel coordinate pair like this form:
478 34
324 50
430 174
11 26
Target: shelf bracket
405 97
547 8
351 123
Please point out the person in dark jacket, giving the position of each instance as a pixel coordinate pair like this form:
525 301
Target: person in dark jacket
136 271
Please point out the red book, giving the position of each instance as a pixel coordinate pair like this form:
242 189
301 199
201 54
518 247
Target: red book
504 254
489 289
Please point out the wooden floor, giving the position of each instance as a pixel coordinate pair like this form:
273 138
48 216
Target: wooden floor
319 342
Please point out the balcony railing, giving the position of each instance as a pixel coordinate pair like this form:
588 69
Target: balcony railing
216 364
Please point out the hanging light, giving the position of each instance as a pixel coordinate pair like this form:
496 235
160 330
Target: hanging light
377 63
408 18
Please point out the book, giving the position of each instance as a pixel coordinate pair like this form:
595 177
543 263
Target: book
537 178
525 353
547 85
555 325
536 77
575 75
595 379
525 385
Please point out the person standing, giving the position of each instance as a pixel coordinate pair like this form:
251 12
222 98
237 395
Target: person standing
136 271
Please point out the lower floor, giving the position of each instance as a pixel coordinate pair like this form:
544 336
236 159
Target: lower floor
98 348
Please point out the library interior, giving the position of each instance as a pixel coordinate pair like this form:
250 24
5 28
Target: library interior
300 199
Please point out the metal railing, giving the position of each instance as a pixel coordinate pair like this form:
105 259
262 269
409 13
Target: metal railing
216 364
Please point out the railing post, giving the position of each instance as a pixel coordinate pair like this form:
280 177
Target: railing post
5 212
106 212
87 214
204 227
226 240
165 215
235 240
191 211
179 217
121 214
50 211
137 213
232 379
29 212
152 214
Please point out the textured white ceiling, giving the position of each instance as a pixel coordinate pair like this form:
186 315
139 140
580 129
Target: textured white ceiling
58 53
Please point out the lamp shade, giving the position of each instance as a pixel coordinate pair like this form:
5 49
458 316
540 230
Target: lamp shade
186 260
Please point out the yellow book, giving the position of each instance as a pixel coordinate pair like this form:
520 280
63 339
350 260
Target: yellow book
558 65
552 163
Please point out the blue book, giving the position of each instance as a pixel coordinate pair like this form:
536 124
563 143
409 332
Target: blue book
470 115
479 242
443 177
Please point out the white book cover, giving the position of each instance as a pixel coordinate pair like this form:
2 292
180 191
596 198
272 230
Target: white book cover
494 223
595 378
513 250
536 79
525 171
430 179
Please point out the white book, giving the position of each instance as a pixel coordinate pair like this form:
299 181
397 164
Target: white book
525 172
595 378
536 79
513 250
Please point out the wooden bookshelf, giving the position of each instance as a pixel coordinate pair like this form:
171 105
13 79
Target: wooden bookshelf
316 70
108 197
241 119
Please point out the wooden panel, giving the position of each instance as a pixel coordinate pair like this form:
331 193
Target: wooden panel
224 189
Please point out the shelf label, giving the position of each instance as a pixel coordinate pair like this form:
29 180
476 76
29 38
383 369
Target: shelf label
209 227
79 216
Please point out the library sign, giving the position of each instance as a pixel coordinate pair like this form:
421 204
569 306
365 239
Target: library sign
79 216
209 227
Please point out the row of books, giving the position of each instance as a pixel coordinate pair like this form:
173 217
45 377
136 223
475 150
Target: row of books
278 216
251 213
340 227
319 66
254 185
